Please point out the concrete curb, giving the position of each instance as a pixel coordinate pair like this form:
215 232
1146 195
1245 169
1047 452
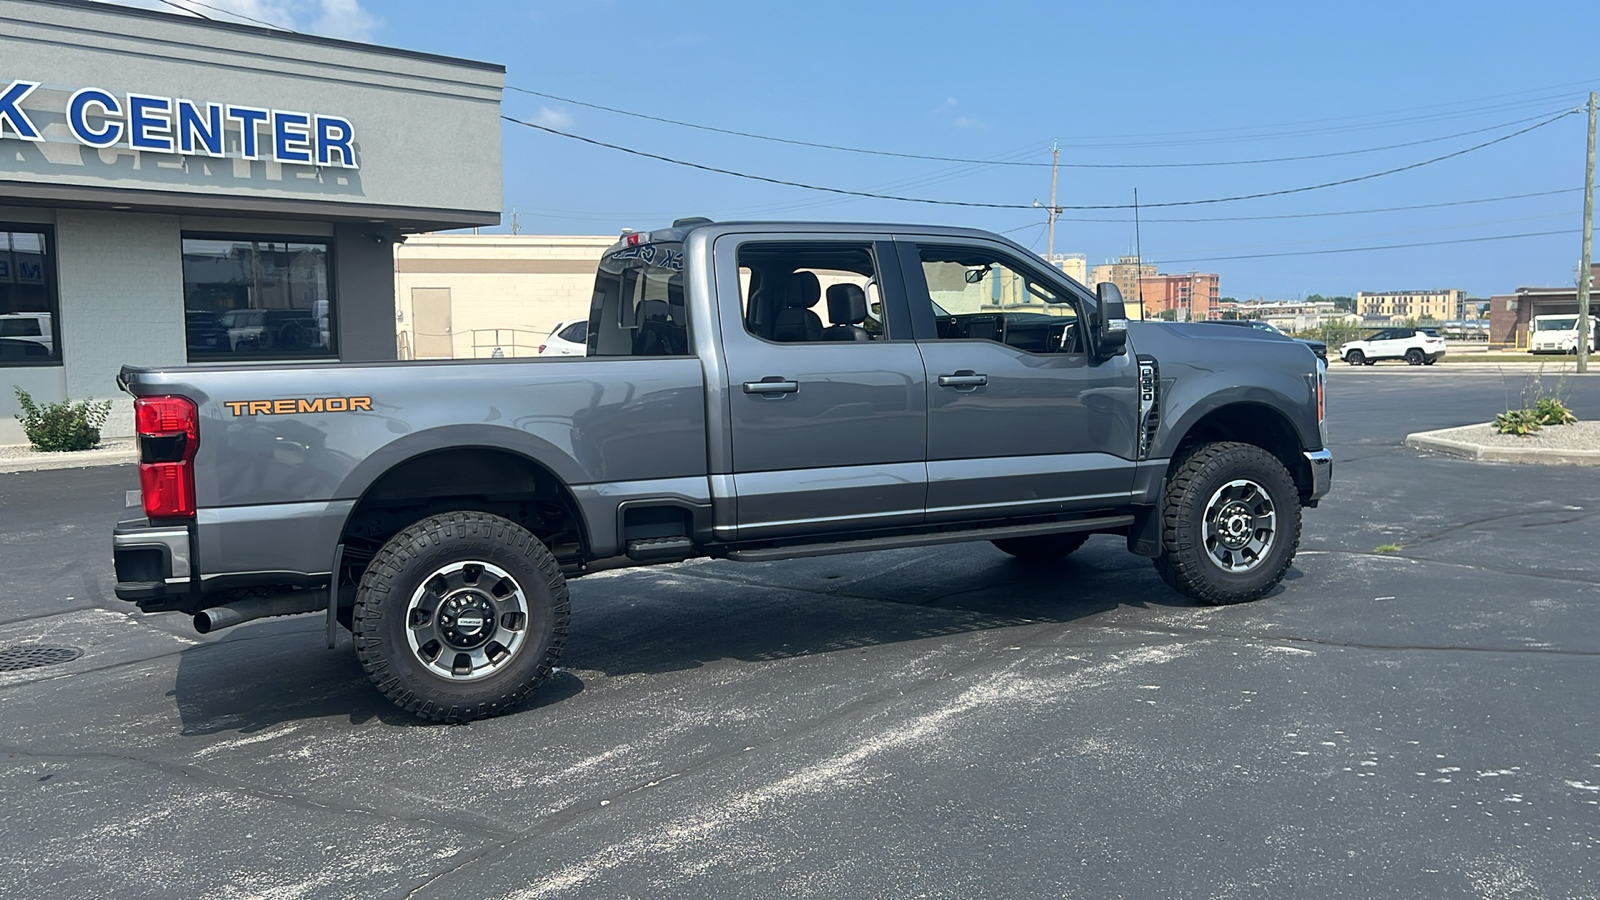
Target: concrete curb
79 459
1432 441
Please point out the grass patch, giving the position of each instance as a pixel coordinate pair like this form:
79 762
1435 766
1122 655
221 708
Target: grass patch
1387 548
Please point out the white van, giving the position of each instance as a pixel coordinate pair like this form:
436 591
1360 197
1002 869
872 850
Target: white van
1559 334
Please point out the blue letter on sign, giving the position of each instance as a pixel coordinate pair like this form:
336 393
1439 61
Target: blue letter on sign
249 118
11 111
291 137
195 132
78 112
150 123
334 135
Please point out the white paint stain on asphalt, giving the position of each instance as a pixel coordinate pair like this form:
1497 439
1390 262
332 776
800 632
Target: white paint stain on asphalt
847 767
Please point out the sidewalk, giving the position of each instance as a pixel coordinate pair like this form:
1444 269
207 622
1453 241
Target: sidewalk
23 458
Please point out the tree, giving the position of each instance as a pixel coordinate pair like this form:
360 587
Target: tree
1168 315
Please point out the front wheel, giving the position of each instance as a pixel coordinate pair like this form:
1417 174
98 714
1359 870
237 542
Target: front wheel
460 616
1230 523
1355 358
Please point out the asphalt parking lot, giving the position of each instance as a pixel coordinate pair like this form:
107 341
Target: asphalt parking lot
940 722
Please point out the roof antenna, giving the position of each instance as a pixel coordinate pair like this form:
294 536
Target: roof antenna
1138 254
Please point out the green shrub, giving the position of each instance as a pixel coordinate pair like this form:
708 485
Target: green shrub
64 425
1520 422
1551 411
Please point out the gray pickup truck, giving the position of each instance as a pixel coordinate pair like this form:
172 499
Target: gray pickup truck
961 389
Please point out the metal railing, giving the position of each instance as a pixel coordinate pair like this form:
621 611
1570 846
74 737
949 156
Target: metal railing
496 343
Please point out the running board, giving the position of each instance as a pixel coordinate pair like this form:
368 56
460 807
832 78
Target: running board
797 551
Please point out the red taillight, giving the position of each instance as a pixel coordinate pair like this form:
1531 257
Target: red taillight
169 435
541 347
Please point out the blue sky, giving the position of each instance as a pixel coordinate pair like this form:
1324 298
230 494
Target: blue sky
1115 83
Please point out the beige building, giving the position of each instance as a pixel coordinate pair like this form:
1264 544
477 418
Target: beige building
1075 265
465 296
1439 305
1125 274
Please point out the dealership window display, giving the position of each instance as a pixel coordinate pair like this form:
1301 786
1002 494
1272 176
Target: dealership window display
27 297
257 298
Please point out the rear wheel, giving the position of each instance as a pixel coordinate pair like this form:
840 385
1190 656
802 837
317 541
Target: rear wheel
1355 358
1430 360
1230 523
460 616
1414 357
1042 547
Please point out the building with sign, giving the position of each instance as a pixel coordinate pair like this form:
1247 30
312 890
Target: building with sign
175 190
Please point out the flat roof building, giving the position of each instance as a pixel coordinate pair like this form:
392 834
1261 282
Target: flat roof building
175 190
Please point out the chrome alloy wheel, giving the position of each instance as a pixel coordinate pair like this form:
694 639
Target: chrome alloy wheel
1240 525
467 620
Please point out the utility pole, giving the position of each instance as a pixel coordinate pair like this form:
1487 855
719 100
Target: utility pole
1055 162
1588 240
1052 209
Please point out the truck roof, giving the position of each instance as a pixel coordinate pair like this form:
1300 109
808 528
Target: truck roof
681 228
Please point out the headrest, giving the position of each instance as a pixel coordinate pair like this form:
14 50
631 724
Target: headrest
847 304
651 310
802 291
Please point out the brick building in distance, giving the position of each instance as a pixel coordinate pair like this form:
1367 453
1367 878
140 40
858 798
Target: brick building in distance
1510 314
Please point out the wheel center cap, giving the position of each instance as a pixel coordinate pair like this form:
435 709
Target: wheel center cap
466 620
1235 523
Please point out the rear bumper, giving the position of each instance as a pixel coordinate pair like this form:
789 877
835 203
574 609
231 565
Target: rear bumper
1321 462
153 562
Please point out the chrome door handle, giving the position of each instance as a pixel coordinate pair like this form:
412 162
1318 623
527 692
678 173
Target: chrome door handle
773 386
963 379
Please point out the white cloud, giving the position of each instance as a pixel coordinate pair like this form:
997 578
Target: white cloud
346 19
969 122
553 118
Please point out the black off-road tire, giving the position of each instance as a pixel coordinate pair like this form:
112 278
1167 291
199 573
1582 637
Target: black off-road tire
1042 547
401 573
1192 567
1355 358
1414 357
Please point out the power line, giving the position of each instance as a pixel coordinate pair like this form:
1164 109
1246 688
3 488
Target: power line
1498 237
227 12
188 10
1346 212
981 205
996 162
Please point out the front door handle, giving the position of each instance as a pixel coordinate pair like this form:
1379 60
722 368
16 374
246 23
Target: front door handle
963 379
771 385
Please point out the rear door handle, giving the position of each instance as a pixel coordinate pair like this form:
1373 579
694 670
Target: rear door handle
772 384
965 379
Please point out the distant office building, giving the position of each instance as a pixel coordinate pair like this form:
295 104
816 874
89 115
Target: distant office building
1076 265
1438 305
1124 273
1193 296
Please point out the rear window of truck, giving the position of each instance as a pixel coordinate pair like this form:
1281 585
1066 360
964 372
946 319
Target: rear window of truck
639 305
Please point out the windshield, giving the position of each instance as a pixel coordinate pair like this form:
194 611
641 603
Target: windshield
1562 323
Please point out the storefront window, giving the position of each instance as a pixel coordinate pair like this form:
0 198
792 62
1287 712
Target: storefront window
28 331
257 298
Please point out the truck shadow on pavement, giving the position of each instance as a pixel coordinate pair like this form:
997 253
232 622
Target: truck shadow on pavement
672 619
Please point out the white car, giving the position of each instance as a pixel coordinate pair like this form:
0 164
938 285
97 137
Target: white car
1417 346
30 327
570 338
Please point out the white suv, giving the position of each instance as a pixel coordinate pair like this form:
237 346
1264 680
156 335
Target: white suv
1417 346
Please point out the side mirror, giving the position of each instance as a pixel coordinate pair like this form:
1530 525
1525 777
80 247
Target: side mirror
1111 321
